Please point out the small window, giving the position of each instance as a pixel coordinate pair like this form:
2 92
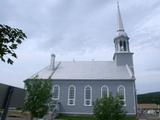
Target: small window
71 95
56 91
124 44
88 96
121 46
104 91
121 93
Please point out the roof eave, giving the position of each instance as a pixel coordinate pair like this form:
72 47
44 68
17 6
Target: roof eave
128 79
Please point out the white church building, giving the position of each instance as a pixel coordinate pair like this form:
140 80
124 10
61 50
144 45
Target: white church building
77 84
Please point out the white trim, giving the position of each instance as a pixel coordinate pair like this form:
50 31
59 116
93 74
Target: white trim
68 103
124 93
104 86
90 95
104 79
131 113
58 92
134 92
129 71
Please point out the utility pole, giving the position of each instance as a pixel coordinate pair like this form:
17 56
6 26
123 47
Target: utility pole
7 102
159 110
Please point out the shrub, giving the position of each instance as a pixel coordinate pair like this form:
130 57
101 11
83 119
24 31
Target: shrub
109 108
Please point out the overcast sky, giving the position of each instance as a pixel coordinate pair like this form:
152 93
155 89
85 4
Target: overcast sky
82 30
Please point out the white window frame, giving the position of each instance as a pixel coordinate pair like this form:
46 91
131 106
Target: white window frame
104 86
85 95
74 99
124 100
58 92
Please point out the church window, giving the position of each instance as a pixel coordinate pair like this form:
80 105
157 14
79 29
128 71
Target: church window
104 91
124 44
71 95
122 94
88 96
121 46
56 91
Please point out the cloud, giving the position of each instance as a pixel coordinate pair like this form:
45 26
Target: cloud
74 24
83 30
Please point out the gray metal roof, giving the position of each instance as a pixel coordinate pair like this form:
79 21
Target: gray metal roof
82 70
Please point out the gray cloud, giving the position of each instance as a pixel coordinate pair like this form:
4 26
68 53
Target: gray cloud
84 30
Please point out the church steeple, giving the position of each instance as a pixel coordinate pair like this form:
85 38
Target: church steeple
121 39
122 55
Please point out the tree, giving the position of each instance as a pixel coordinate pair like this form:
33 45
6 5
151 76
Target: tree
10 38
109 108
153 97
38 95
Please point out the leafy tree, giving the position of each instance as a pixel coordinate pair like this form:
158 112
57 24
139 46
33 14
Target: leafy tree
38 95
109 108
149 98
10 38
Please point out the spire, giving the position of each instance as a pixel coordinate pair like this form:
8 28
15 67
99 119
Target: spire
120 23
121 39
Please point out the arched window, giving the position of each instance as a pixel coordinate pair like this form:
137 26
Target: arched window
124 44
104 91
121 46
56 91
88 96
122 94
71 95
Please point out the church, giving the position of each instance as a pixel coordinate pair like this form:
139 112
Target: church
77 84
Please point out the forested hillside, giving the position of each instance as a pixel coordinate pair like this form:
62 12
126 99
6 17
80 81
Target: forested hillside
149 98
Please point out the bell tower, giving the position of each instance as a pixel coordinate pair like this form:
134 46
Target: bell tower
122 55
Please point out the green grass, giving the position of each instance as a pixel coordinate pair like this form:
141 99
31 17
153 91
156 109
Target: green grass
63 117
131 118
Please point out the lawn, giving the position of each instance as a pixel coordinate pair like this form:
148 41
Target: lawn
62 117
